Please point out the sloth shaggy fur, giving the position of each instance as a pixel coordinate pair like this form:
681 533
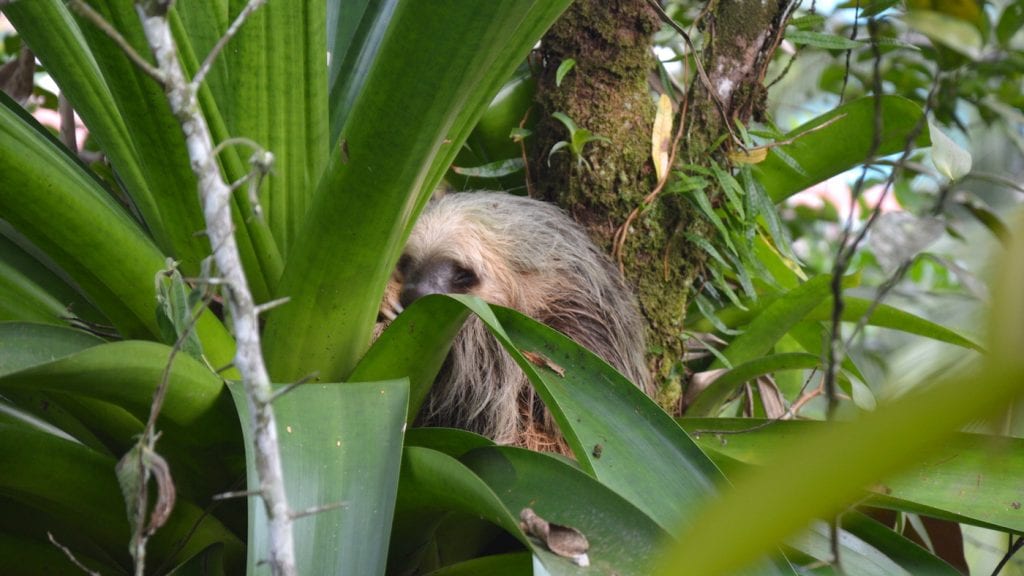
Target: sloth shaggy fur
527 255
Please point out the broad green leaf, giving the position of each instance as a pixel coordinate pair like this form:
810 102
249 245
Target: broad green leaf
944 483
373 186
126 374
81 493
500 482
511 564
24 345
432 485
280 101
768 364
454 442
405 350
340 444
202 22
614 429
622 539
21 265
23 300
97 244
135 110
52 409
53 33
844 143
566 121
128 116
808 22
886 316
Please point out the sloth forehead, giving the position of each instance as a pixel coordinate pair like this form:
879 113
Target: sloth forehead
448 236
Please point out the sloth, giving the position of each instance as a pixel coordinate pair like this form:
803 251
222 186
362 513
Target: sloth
527 255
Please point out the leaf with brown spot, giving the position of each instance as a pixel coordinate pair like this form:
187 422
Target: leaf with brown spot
539 359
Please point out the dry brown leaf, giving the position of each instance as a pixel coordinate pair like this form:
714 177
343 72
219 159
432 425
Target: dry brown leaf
564 541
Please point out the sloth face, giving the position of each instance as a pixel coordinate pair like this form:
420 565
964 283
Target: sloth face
454 249
433 275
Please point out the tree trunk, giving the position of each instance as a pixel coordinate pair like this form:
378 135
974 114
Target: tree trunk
607 92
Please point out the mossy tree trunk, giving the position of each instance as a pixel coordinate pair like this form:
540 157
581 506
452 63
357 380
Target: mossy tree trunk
608 93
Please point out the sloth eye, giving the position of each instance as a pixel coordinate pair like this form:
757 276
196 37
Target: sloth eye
464 278
404 263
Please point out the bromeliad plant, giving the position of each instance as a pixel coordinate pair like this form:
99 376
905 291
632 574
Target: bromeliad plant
357 155
359 144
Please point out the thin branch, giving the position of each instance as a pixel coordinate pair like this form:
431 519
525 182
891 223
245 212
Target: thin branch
236 494
304 380
847 249
216 196
71 556
319 509
1017 545
267 306
204 69
849 53
705 79
97 20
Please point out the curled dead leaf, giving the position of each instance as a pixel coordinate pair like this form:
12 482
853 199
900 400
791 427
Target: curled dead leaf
564 541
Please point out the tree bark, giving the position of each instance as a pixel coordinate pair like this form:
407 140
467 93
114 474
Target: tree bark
607 92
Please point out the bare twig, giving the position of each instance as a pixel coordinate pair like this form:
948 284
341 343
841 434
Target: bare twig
318 509
71 556
267 306
849 53
97 20
204 69
215 195
719 105
236 494
304 380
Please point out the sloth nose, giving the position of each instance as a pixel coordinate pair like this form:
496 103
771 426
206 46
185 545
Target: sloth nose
414 291
417 288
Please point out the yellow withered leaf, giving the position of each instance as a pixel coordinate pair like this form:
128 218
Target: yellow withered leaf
751 156
661 139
